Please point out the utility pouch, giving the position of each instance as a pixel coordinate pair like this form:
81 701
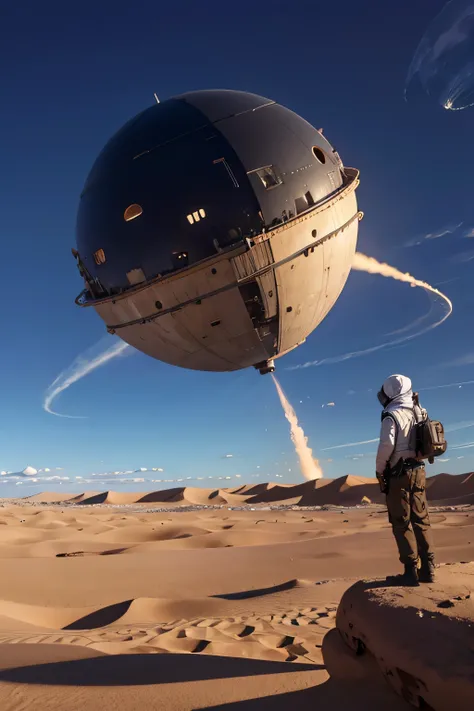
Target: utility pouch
398 469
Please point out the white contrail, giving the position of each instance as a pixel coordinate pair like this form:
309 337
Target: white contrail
459 426
372 266
450 428
309 466
449 385
351 444
81 366
418 322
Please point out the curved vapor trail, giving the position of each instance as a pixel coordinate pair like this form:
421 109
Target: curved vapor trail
417 322
372 266
80 367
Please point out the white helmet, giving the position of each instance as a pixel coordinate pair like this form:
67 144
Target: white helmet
393 387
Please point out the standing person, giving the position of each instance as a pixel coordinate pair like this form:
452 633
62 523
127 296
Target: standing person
402 478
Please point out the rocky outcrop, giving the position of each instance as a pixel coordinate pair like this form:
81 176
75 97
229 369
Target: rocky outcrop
421 638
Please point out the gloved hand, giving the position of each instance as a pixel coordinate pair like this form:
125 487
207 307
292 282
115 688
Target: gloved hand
382 482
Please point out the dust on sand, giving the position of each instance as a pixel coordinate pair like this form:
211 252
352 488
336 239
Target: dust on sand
104 607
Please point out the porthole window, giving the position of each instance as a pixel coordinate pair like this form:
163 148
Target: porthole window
132 212
319 155
99 256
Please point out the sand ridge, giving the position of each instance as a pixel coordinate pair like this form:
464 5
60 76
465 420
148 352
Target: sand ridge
30 532
90 593
347 490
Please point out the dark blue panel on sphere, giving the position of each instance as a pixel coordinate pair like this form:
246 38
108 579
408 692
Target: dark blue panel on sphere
150 128
193 192
218 104
184 178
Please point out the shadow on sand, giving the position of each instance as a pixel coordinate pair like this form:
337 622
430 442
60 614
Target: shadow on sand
140 669
365 691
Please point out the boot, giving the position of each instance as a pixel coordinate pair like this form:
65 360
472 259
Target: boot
426 574
410 576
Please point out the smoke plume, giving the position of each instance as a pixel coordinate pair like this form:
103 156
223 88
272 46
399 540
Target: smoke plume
81 366
309 466
362 263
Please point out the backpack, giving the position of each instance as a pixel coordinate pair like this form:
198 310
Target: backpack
430 439
428 435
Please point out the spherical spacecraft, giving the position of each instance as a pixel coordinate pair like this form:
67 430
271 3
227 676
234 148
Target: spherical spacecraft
216 230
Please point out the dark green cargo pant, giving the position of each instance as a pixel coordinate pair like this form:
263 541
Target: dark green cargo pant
408 514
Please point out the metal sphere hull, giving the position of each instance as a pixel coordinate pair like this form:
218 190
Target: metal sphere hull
249 256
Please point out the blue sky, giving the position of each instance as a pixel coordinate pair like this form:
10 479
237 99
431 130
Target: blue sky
76 74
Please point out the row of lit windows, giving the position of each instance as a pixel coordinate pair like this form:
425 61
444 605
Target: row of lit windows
196 216
133 211
267 175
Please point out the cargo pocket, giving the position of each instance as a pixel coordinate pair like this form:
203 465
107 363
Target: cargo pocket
399 507
419 504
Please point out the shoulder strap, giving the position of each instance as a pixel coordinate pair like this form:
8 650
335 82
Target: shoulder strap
390 414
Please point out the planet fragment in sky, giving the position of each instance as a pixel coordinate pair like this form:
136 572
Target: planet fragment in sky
444 60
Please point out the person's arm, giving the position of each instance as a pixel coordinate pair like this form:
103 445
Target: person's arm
388 436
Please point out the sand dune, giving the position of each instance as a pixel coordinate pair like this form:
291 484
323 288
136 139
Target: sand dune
85 531
345 491
90 658
104 607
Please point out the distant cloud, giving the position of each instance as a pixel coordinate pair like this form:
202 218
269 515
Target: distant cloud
467 359
331 404
469 232
444 460
367 455
463 257
103 479
26 473
228 456
443 232
33 476
80 367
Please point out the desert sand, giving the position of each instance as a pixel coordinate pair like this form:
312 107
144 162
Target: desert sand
201 599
